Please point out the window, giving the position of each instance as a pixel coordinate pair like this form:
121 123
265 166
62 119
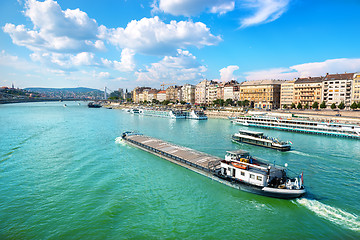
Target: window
252 176
259 178
242 173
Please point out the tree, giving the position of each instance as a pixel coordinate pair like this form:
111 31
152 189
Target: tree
299 106
182 102
341 106
229 101
323 105
315 105
246 103
285 106
306 106
293 105
354 106
333 106
239 103
358 104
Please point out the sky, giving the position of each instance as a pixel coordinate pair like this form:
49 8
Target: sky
129 43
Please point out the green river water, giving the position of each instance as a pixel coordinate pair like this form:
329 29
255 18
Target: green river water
64 176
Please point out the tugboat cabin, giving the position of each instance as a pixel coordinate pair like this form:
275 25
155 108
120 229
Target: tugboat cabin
240 166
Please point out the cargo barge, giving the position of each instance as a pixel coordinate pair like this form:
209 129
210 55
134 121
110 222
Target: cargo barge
238 170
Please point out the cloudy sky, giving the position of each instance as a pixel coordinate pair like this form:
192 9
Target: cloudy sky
128 43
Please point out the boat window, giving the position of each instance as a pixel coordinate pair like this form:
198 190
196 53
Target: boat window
242 173
259 178
233 173
252 176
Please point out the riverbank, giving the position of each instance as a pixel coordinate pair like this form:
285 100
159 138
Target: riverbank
342 116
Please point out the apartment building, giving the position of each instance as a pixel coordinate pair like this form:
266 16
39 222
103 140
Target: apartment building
174 93
263 94
200 92
355 90
308 90
211 92
287 93
229 89
161 95
188 93
337 88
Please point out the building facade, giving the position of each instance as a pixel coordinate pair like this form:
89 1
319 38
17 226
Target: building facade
161 95
188 93
355 89
308 90
287 93
174 94
337 88
211 92
262 94
200 92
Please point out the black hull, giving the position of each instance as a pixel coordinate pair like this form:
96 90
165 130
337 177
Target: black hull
256 189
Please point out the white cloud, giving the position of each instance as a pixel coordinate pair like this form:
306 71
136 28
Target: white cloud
64 61
339 65
55 30
15 62
153 36
182 68
227 74
265 11
126 64
193 7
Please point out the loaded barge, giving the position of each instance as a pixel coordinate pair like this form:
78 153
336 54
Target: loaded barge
238 170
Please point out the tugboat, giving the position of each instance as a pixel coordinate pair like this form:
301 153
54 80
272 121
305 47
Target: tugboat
94 105
259 139
260 177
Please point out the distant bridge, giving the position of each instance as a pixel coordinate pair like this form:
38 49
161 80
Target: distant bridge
23 100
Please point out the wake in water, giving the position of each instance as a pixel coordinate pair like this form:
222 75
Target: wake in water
335 215
119 140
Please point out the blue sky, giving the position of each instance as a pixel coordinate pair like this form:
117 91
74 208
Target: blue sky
129 43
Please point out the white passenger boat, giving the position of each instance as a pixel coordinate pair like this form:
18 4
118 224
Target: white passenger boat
162 113
259 139
198 115
134 111
304 126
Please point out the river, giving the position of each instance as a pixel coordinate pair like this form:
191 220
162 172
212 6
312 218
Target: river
63 176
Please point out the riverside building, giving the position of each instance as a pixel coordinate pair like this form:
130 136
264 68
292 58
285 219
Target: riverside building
287 93
200 92
308 90
355 90
188 93
174 93
264 94
337 88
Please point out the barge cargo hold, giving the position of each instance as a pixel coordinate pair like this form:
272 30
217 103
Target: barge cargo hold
239 170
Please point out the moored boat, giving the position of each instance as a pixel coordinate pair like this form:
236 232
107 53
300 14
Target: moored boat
198 115
303 126
94 105
259 139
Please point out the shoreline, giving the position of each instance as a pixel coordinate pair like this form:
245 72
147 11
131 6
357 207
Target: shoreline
347 116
